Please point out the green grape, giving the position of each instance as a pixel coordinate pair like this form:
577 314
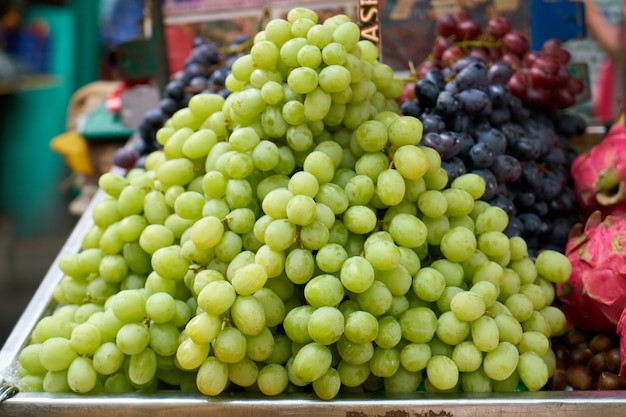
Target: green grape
248 315
81 376
418 324
249 278
405 130
55 381
532 370
309 56
299 266
212 376
230 345
312 361
376 299
204 105
334 53
132 338
442 372
112 184
397 280
501 362
331 257
272 379
203 328
243 373
553 266
428 284
467 357
360 219
164 338
326 325
383 255
450 329
302 80
467 305
411 161
301 210
264 54
485 333
323 290
190 355
85 338
142 367
303 183
458 244
359 189
295 323
328 385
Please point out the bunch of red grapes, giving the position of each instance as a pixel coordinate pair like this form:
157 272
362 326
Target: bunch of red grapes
540 78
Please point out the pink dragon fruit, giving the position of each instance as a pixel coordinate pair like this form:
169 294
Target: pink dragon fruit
621 331
595 294
599 174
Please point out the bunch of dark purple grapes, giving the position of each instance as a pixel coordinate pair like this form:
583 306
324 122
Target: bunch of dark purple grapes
477 125
205 71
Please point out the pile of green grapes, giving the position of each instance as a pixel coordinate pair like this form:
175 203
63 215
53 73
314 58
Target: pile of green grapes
295 237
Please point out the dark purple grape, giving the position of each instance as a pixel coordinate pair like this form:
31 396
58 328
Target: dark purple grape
549 189
524 199
525 149
436 77
570 124
481 155
125 157
454 167
446 143
466 143
411 108
504 203
500 116
168 106
495 138
506 169
474 101
447 103
459 122
175 89
218 77
451 87
473 75
499 95
154 117
532 223
426 93
432 122
198 83
499 72
514 228
540 208
531 174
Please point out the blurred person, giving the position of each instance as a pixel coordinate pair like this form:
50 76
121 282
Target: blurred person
605 91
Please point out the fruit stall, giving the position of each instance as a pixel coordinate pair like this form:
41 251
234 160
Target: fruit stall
298 228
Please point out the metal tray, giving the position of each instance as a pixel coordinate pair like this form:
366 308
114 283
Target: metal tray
14 403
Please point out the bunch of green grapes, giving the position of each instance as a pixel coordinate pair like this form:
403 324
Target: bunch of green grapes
296 236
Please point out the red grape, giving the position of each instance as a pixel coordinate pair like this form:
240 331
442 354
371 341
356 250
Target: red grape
440 45
480 52
575 85
516 42
446 26
498 27
468 30
512 59
451 55
518 84
537 96
563 97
